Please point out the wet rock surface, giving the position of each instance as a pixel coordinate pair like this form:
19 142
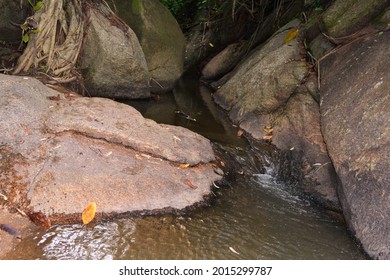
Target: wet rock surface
355 118
60 152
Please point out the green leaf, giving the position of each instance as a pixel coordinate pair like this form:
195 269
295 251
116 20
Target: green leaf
24 27
30 2
25 38
35 30
38 5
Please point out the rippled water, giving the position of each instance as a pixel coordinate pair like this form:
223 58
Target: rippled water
254 218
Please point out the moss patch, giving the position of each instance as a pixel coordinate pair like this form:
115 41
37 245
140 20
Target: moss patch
137 7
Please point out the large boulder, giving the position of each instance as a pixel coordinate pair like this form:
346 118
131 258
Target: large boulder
161 39
281 72
268 97
58 152
345 17
112 61
355 120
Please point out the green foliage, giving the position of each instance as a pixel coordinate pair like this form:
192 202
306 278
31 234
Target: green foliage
35 6
137 6
175 6
27 27
25 38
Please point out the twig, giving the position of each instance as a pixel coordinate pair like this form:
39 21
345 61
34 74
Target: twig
36 175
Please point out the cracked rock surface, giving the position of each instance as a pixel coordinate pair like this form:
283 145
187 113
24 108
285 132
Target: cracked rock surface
60 152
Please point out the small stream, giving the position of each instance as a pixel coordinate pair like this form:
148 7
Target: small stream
254 218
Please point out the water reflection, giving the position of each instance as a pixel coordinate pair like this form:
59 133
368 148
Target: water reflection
190 105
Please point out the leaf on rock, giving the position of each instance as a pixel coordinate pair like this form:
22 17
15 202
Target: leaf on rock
268 129
240 133
184 165
291 35
89 213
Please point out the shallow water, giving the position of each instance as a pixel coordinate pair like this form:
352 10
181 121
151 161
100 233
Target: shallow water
254 218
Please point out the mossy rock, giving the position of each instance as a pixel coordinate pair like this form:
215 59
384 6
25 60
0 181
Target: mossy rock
161 39
345 17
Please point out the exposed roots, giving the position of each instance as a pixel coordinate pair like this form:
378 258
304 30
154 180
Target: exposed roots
54 49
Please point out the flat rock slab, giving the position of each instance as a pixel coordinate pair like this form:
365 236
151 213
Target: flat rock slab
60 152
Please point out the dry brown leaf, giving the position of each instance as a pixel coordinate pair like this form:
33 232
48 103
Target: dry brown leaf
268 129
239 133
89 213
291 35
267 138
54 97
190 184
184 165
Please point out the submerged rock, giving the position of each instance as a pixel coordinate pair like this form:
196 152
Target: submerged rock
60 152
112 61
17 227
355 117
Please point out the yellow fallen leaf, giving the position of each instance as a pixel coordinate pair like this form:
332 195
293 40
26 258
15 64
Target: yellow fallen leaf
267 138
291 35
184 165
89 213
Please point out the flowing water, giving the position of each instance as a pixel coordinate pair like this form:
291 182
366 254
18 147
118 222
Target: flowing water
254 218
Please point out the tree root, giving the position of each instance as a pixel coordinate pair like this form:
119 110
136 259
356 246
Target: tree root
53 50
